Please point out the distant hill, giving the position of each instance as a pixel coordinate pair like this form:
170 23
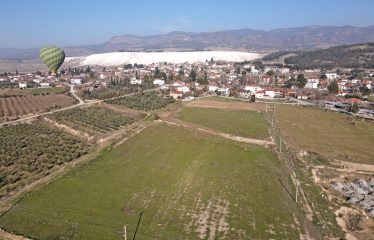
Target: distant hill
302 38
349 56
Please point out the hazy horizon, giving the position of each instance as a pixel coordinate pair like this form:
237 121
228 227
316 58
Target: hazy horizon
29 24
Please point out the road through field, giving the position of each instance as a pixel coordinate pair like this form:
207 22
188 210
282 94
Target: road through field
216 133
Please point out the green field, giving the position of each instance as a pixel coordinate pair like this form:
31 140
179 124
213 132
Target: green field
242 123
333 135
190 186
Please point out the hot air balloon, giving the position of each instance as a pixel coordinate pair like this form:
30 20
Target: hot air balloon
53 57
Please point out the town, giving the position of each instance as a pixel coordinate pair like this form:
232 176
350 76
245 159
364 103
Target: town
345 90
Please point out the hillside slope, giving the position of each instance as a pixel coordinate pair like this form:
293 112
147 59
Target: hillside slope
301 38
349 56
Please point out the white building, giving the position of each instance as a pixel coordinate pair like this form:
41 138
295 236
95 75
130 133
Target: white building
269 93
212 88
159 82
232 77
103 76
37 80
45 85
22 85
312 83
183 89
135 81
253 88
331 75
284 70
224 91
76 81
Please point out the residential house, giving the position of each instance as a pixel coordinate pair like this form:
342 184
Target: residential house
45 84
76 81
135 81
253 88
159 82
22 85
312 83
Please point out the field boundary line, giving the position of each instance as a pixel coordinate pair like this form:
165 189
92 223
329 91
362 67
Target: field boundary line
10 201
70 107
220 134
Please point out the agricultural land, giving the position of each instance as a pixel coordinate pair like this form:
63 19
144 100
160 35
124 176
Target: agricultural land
31 151
15 102
212 168
175 181
145 101
93 119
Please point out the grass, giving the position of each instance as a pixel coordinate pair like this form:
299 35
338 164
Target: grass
333 135
223 99
178 178
242 123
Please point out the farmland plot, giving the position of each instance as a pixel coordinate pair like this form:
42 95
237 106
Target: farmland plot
146 101
93 119
14 106
249 124
30 151
188 186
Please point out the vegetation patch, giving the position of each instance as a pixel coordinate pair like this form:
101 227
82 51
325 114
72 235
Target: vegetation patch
30 151
93 119
241 123
348 56
188 186
146 101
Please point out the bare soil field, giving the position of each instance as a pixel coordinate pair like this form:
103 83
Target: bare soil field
332 135
232 105
15 106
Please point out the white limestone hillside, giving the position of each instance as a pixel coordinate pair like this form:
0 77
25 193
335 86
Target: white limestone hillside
120 58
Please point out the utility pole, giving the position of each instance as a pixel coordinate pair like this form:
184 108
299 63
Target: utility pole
125 232
314 99
137 226
272 121
297 189
280 144
266 108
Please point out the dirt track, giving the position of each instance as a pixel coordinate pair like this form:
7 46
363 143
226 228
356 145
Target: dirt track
216 133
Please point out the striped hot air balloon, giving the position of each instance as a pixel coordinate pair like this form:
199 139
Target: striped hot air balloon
53 57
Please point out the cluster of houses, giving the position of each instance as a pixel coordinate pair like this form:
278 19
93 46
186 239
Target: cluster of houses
38 80
223 78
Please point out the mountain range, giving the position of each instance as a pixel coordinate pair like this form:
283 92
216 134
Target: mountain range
301 38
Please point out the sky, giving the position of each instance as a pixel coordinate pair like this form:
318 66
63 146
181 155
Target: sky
34 23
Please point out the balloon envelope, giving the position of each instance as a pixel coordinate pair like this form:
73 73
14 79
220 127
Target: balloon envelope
53 57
